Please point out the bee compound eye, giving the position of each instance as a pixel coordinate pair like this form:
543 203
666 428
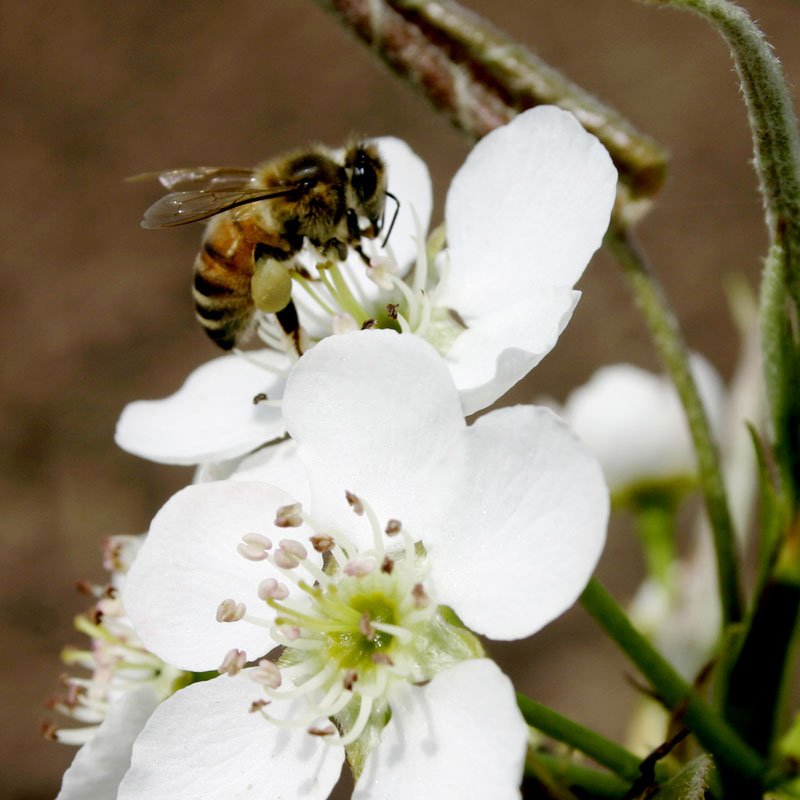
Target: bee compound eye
365 178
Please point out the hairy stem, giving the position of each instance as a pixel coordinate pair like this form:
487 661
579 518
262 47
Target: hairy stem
666 335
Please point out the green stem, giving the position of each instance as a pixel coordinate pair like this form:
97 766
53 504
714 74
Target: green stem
481 78
667 337
714 734
590 782
655 525
587 741
776 141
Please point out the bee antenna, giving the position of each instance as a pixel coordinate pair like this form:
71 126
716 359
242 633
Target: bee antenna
394 217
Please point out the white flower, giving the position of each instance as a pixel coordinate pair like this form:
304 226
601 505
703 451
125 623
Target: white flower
634 422
524 215
115 701
502 521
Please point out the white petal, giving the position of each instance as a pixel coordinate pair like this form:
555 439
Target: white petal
370 411
279 465
410 181
211 417
460 736
98 767
633 421
528 208
497 350
204 743
188 565
524 526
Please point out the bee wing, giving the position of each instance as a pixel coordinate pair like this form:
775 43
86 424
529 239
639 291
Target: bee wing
181 208
198 178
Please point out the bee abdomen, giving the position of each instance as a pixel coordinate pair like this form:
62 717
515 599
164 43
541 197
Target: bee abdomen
221 291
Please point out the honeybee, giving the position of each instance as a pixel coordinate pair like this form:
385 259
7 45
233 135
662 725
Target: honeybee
258 221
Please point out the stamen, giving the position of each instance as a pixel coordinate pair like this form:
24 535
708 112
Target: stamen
290 516
257 705
323 543
294 548
421 268
365 627
270 588
306 284
285 560
230 611
361 722
393 527
421 598
350 677
327 731
267 674
354 503
233 662
359 567
254 547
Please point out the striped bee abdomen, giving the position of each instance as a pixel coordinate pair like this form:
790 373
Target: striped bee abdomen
221 287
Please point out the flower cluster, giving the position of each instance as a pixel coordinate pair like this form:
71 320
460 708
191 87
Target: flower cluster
336 580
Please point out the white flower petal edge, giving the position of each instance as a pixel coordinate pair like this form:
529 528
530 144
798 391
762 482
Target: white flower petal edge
465 716
528 208
211 417
524 215
528 526
498 350
203 743
98 767
189 564
634 423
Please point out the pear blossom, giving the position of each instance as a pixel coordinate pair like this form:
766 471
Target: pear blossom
393 526
126 684
523 216
634 422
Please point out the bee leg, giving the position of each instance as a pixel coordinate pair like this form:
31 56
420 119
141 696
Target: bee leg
354 230
288 320
334 247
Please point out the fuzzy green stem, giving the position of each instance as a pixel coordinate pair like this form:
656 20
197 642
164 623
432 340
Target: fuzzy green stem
667 337
587 741
776 141
713 732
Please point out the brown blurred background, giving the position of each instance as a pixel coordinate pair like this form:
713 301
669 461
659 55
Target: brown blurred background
96 311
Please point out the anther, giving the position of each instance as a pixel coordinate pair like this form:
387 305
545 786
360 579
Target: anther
230 611
350 677
266 673
322 543
291 632
365 627
327 731
294 548
367 324
359 568
355 503
261 397
257 705
254 546
233 662
391 310
49 730
383 659
289 516
387 566
393 527
269 588
421 598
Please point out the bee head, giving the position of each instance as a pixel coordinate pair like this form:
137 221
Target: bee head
366 175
